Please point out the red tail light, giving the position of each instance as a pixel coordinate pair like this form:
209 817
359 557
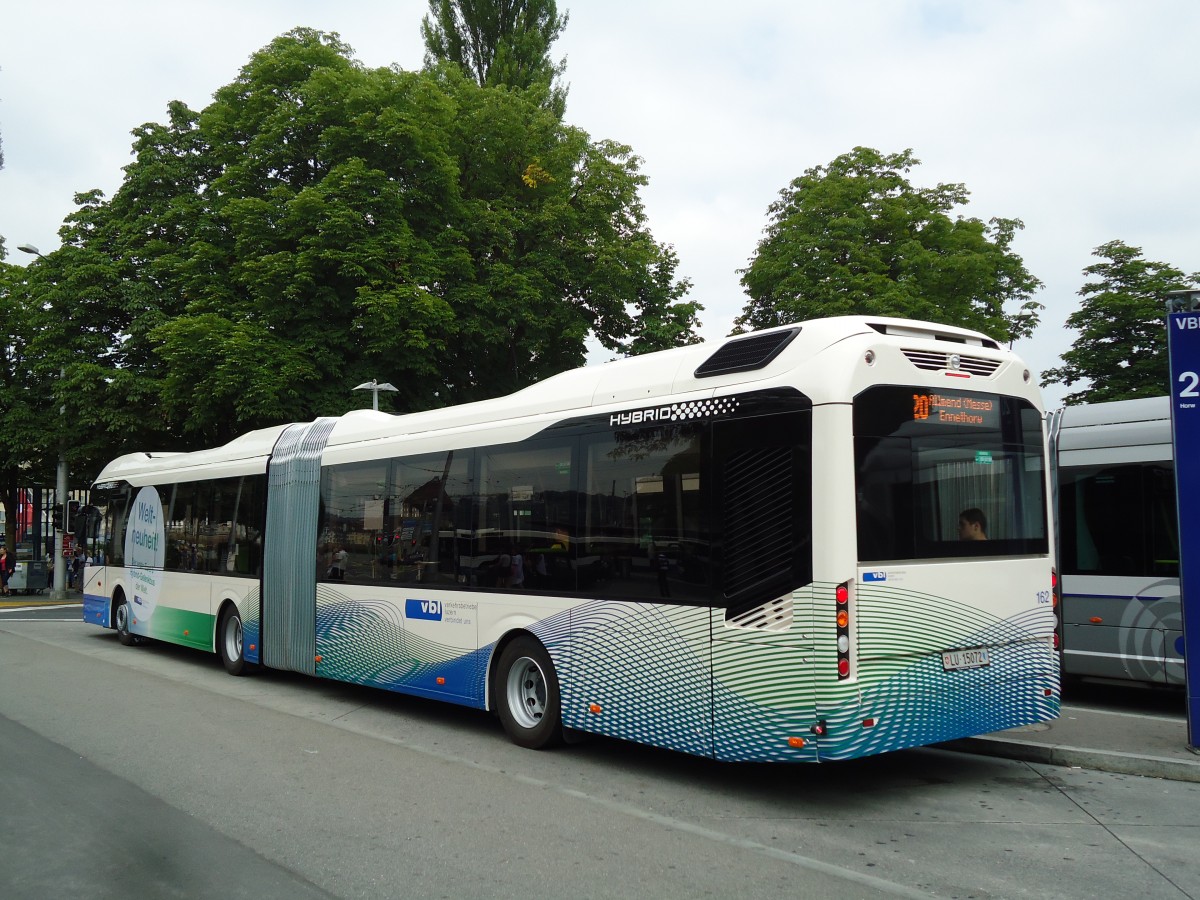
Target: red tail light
842 624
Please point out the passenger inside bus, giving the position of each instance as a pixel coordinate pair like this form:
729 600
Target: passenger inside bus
972 525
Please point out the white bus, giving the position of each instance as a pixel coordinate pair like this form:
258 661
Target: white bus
1118 541
748 550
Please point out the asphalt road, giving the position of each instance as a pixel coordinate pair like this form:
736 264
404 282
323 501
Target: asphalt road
149 771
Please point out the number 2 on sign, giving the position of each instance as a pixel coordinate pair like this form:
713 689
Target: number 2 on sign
1191 380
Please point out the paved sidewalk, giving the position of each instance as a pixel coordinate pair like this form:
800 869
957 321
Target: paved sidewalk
43 599
1110 741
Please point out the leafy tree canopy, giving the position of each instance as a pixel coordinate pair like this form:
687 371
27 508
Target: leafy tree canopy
856 237
24 451
498 42
1121 351
321 224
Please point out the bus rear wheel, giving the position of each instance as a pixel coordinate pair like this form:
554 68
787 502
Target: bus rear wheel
529 701
229 643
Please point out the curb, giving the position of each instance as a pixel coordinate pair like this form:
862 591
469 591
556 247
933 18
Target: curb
41 601
1080 757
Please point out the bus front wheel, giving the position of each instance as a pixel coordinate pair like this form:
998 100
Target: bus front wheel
529 703
121 622
229 643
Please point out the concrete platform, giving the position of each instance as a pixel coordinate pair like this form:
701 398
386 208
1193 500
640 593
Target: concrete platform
1124 742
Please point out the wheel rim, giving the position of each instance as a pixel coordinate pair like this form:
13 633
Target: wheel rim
122 618
526 692
233 637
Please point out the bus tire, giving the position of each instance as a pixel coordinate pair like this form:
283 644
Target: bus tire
528 698
121 623
229 643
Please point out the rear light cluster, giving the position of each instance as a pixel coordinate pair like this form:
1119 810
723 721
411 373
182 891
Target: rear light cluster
1054 601
842 594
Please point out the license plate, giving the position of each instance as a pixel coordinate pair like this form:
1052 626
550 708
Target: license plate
977 658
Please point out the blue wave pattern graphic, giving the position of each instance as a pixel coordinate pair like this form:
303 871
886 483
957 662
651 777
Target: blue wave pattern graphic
763 698
364 642
924 705
904 688
251 611
653 673
644 665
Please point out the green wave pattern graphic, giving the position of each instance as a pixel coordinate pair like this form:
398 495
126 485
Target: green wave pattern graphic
678 677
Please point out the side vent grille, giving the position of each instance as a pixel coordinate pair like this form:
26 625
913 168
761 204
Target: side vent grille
746 354
936 360
758 518
774 615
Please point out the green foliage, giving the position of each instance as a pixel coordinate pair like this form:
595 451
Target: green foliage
856 237
21 407
321 224
499 42
1121 351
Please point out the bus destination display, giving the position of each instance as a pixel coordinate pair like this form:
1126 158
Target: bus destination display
956 408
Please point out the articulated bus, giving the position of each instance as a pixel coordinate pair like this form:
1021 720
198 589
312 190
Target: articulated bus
1118 541
748 550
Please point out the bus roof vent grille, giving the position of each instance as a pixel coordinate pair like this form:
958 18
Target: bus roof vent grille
774 615
936 360
747 353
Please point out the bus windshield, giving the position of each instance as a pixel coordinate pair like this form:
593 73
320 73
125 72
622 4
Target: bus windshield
947 474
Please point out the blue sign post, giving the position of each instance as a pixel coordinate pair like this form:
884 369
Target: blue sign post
1183 343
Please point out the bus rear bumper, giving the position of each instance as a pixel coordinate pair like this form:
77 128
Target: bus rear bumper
901 719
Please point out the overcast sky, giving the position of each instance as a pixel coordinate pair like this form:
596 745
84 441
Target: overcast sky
1077 116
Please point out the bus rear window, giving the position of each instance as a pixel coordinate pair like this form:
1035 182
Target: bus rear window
946 474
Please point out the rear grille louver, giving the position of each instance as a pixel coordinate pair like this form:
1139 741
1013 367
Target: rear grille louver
758 518
774 615
746 354
935 360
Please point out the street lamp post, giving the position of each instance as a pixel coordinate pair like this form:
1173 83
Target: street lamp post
375 387
58 589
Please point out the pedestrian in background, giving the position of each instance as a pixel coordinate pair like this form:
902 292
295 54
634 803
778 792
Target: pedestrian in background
8 565
80 562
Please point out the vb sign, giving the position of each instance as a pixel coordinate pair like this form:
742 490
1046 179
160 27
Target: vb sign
1183 343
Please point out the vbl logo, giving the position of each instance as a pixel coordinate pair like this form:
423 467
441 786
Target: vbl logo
423 609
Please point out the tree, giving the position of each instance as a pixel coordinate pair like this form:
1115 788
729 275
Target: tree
499 42
856 237
1121 351
28 440
321 224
